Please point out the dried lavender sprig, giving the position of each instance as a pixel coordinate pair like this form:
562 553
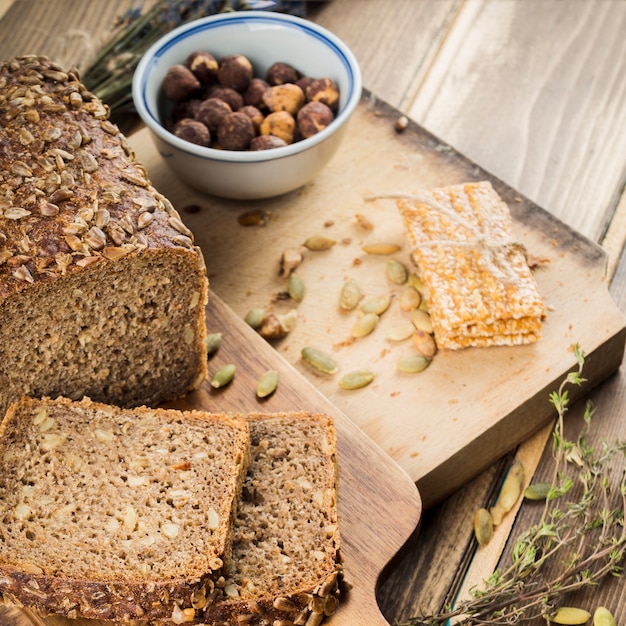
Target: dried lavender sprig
109 75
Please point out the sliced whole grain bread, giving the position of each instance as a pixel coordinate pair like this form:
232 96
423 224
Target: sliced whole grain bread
286 566
116 514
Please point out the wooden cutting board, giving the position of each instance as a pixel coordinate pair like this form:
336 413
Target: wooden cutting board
371 484
446 424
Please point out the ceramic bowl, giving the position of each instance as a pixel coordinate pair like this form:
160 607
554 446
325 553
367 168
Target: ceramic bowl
265 38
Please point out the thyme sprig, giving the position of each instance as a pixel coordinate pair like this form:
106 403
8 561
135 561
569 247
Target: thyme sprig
578 541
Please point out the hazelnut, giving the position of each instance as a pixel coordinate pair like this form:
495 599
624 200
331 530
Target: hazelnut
287 97
211 112
256 117
254 93
235 132
323 90
193 131
185 108
179 83
313 117
267 142
235 71
203 65
281 124
233 98
280 73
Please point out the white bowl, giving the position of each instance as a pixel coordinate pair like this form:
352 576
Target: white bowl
265 38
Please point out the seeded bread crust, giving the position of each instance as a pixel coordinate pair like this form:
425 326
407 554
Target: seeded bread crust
116 514
287 567
96 267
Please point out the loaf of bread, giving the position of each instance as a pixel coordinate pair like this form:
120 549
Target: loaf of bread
116 514
286 566
102 291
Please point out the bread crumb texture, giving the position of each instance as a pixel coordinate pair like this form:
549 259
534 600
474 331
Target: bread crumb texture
102 290
112 513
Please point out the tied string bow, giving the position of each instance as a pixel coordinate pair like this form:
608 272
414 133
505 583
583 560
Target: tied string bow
493 251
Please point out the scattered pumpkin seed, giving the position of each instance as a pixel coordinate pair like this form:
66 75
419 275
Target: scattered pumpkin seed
483 526
317 243
213 342
381 248
365 325
422 321
512 486
603 617
497 514
295 287
254 317
267 384
537 491
223 376
413 363
415 281
570 616
376 304
410 298
396 272
356 379
424 343
400 332
319 360
350 295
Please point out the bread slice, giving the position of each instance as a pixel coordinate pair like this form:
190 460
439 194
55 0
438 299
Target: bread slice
102 291
116 514
286 566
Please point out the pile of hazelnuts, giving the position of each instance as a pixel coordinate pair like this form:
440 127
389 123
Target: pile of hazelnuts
224 105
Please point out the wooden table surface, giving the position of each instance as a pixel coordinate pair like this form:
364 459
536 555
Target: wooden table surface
532 91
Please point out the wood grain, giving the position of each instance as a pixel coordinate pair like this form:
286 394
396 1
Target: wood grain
485 401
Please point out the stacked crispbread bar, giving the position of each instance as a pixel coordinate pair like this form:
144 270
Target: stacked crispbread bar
481 291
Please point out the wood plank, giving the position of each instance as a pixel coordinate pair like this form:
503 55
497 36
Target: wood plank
551 124
502 402
370 483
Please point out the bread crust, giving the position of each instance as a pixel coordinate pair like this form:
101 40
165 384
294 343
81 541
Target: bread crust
74 201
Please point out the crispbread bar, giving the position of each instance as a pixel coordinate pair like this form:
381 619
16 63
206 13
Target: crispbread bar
481 290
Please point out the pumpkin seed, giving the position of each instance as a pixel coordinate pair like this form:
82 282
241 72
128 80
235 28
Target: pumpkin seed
350 295
267 384
400 332
483 526
512 486
213 342
295 287
497 514
381 248
365 325
603 617
223 376
376 304
356 379
396 272
424 343
410 298
254 317
415 281
570 616
413 363
422 321
319 360
537 491
317 243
